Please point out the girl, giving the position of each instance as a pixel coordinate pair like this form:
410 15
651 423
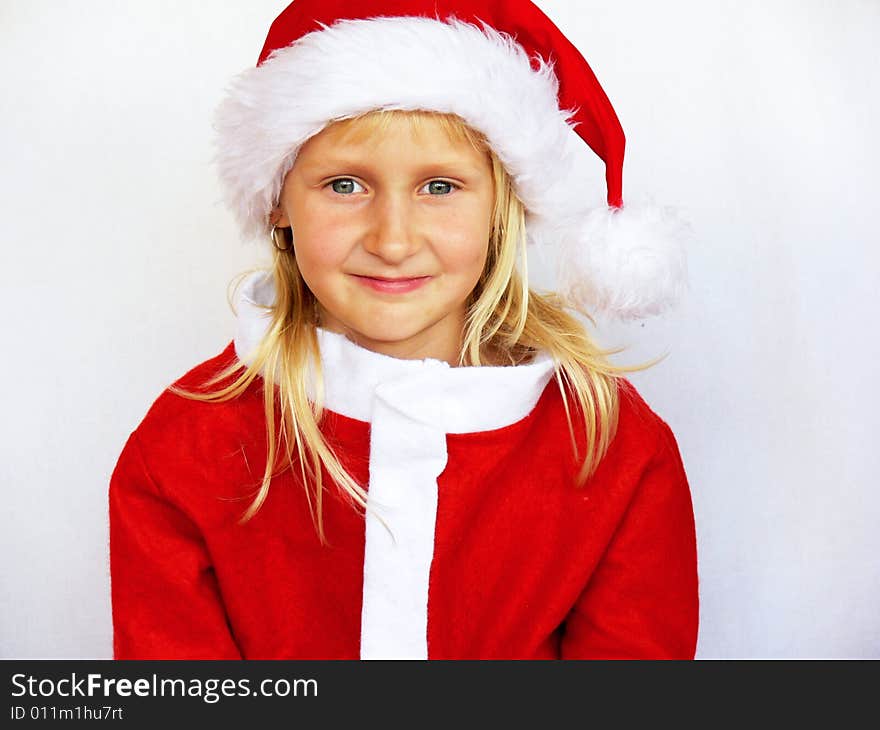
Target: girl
405 452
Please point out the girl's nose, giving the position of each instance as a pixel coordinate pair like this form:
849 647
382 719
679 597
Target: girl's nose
390 235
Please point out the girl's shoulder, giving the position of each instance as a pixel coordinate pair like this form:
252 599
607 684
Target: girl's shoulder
175 407
196 377
637 422
556 432
176 420
199 456
637 417
644 441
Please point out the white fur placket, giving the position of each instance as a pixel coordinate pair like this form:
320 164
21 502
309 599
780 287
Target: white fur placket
406 458
411 406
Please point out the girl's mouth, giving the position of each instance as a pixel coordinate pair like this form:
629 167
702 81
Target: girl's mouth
393 286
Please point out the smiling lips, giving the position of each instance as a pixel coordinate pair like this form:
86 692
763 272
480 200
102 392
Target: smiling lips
392 286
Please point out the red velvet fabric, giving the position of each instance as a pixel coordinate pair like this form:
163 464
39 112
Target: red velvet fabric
526 565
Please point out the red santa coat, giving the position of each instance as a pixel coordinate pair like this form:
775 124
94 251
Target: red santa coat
477 543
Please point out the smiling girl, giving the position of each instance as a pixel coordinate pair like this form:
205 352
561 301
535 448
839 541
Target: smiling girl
405 452
392 231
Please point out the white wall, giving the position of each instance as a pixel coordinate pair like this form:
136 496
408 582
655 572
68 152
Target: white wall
758 119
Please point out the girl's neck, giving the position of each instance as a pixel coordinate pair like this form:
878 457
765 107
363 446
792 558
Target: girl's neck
404 350
441 341
489 356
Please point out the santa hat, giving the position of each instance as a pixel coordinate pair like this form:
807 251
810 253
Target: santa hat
509 73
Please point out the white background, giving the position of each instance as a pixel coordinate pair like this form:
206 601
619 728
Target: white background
757 119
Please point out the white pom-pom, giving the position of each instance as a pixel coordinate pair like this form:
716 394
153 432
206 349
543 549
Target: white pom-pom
627 263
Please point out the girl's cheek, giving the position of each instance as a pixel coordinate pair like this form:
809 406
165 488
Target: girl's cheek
463 244
321 251
326 249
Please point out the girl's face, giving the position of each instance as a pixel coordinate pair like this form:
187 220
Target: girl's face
391 233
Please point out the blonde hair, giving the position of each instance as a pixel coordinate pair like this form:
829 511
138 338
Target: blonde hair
505 321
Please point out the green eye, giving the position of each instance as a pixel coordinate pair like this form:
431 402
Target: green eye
439 187
345 186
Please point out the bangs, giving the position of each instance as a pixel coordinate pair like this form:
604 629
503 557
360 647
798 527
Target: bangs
376 122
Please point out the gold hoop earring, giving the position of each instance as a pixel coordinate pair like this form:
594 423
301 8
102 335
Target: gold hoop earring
287 243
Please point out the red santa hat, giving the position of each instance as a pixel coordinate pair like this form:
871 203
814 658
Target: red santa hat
508 72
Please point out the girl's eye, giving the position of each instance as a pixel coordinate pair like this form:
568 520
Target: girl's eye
346 186
439 187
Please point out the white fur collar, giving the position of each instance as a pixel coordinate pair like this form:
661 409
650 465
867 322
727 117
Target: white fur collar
454 399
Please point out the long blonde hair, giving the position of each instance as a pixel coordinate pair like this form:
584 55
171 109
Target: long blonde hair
505 321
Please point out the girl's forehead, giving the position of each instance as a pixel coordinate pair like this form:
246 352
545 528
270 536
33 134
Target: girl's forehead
399 150
425 129
400 141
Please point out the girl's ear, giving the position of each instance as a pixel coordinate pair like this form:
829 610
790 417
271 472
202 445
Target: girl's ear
279 218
